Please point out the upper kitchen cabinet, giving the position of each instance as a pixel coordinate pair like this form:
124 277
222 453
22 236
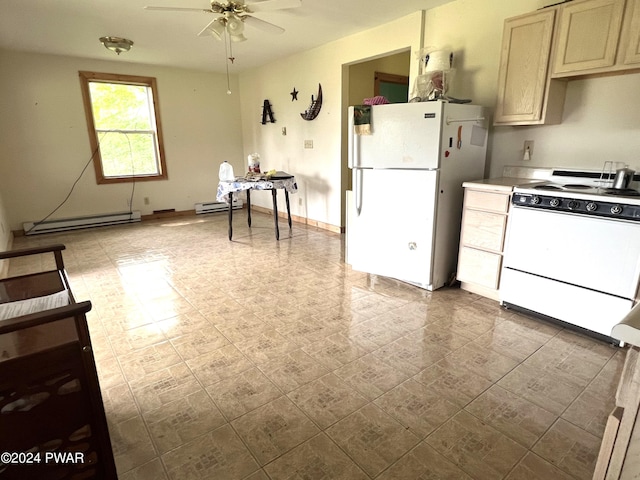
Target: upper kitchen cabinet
526 93
629 55
597 36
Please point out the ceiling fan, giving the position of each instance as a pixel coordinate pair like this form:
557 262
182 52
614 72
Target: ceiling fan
234 14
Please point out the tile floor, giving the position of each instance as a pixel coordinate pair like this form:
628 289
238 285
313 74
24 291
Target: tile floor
260 359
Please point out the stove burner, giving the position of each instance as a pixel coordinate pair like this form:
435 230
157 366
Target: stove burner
622 192
547 187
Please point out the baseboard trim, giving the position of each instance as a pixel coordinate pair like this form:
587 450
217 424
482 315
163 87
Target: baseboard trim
298 219
167 214
187 213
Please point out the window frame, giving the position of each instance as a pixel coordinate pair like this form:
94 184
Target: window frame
85 79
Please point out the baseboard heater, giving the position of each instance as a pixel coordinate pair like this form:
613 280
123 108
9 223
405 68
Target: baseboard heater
211 207
63 224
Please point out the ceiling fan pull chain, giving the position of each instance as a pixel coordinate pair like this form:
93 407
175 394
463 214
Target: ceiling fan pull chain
226 63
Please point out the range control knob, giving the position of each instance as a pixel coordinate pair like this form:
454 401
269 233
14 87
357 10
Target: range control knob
554 202
591 207
535 200
616 209
573 204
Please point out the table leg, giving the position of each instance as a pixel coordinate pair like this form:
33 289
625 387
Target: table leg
249 207
286 198
230 214
274 194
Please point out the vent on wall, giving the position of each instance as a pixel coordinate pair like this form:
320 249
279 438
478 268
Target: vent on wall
63 224
210 207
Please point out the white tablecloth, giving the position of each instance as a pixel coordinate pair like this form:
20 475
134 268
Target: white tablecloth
240 184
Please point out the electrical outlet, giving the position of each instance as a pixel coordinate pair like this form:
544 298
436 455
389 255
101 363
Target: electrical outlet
146 200
284 130
300 201
528 148
308 144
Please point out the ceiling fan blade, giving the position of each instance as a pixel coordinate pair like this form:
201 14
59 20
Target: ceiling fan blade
179 9
269 5
262 25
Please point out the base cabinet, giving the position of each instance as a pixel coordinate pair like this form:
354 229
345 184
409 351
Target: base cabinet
484 223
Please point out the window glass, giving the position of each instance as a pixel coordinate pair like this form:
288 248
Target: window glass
123 127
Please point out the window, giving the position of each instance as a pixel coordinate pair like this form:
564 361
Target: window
124 127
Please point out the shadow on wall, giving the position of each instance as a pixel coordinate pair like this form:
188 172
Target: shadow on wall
318 187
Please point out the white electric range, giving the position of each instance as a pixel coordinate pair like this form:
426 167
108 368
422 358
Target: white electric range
573 251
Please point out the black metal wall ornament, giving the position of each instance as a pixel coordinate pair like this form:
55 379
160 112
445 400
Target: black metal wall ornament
267 112
294 94
314 109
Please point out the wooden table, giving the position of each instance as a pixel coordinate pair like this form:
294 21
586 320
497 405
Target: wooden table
281 181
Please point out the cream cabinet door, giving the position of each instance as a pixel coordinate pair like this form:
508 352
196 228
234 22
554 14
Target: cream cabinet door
588 36
524 64
630 39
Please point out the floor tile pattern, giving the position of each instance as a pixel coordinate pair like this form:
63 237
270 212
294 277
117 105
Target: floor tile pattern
261 359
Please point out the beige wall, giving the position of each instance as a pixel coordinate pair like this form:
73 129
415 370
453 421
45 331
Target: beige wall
601 115
5 237
319 170
45 143
601 120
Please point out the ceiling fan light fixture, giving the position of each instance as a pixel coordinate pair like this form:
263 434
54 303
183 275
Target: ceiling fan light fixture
234 24
237 38
217 28
116 44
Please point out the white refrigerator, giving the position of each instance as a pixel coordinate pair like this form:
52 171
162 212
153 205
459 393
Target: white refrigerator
405 205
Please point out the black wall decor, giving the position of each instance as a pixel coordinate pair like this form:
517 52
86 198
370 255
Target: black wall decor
314 109
267 112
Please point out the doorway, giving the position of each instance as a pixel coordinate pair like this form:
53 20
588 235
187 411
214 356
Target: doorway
395 88
359 80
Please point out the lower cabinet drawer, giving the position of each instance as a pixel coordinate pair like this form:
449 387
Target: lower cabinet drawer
491 201
483 230
479 267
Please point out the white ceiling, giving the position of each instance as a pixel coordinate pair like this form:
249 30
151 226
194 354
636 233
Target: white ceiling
72 27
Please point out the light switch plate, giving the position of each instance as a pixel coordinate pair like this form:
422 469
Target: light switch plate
528 144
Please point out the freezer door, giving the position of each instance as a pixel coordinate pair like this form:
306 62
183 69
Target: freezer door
392 231
403 135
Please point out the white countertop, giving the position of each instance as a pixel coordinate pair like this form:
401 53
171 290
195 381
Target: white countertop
628 330
504 184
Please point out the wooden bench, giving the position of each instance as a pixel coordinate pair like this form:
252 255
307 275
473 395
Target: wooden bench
51 410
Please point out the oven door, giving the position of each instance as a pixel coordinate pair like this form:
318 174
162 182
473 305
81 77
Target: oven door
594 253
578 269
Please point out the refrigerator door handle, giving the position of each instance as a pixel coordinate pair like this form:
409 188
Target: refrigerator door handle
351 140
357 189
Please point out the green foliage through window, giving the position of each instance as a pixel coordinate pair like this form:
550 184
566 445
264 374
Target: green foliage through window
123 119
